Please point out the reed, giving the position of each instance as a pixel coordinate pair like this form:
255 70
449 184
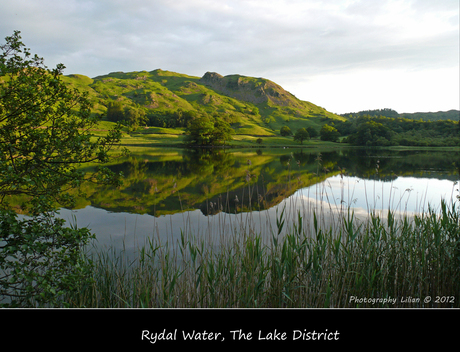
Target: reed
356 263
311 255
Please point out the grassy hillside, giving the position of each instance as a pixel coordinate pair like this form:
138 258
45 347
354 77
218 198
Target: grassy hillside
253 106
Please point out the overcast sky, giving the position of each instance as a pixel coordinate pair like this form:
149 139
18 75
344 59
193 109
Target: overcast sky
344 55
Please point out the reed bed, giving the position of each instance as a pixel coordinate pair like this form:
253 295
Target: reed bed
313 254
379 261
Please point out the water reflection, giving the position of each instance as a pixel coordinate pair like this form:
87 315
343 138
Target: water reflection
327 199
166 182
220 193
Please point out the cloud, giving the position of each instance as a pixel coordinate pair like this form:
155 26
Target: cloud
252 35
290 42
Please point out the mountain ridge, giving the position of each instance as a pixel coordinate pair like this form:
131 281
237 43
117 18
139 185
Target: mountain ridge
251 105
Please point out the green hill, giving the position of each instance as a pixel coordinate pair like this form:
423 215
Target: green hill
253 106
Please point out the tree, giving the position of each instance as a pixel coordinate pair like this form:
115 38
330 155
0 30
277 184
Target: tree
133 118
203 131
329 133
222 133
129 116
371 133
199 132
115 111
301 135
285 131
312 132
45 135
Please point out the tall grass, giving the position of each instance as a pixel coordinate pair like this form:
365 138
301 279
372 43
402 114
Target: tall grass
310 256
355 263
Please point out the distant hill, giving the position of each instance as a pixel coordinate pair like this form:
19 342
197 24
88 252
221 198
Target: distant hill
453 115
255 106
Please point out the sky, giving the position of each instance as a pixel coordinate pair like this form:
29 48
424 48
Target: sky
343 55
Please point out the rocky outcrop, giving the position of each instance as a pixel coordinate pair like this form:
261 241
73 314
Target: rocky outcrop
211 77
253 90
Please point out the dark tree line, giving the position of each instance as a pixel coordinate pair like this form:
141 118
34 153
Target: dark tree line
387 131
171 119
426 116
135 116
376 112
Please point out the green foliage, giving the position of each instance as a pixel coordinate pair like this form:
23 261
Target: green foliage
425 116
115 111
171 119
452 115
301 135
205 132
285 131
312 132
134 118
371 133
44 134
131 117
386 131
377 112
40 260
200 131
222 133
44 138
329 133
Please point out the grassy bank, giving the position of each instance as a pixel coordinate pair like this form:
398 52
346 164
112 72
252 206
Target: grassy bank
175 137
380 261
156 136
147 137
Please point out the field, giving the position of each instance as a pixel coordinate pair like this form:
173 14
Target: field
146 137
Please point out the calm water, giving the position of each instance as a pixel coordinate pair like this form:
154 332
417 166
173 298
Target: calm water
220 193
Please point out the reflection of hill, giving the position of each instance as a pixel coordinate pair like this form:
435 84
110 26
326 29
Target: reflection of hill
257 196
233 181
201 179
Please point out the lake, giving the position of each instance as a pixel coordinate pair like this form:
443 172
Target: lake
223 192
